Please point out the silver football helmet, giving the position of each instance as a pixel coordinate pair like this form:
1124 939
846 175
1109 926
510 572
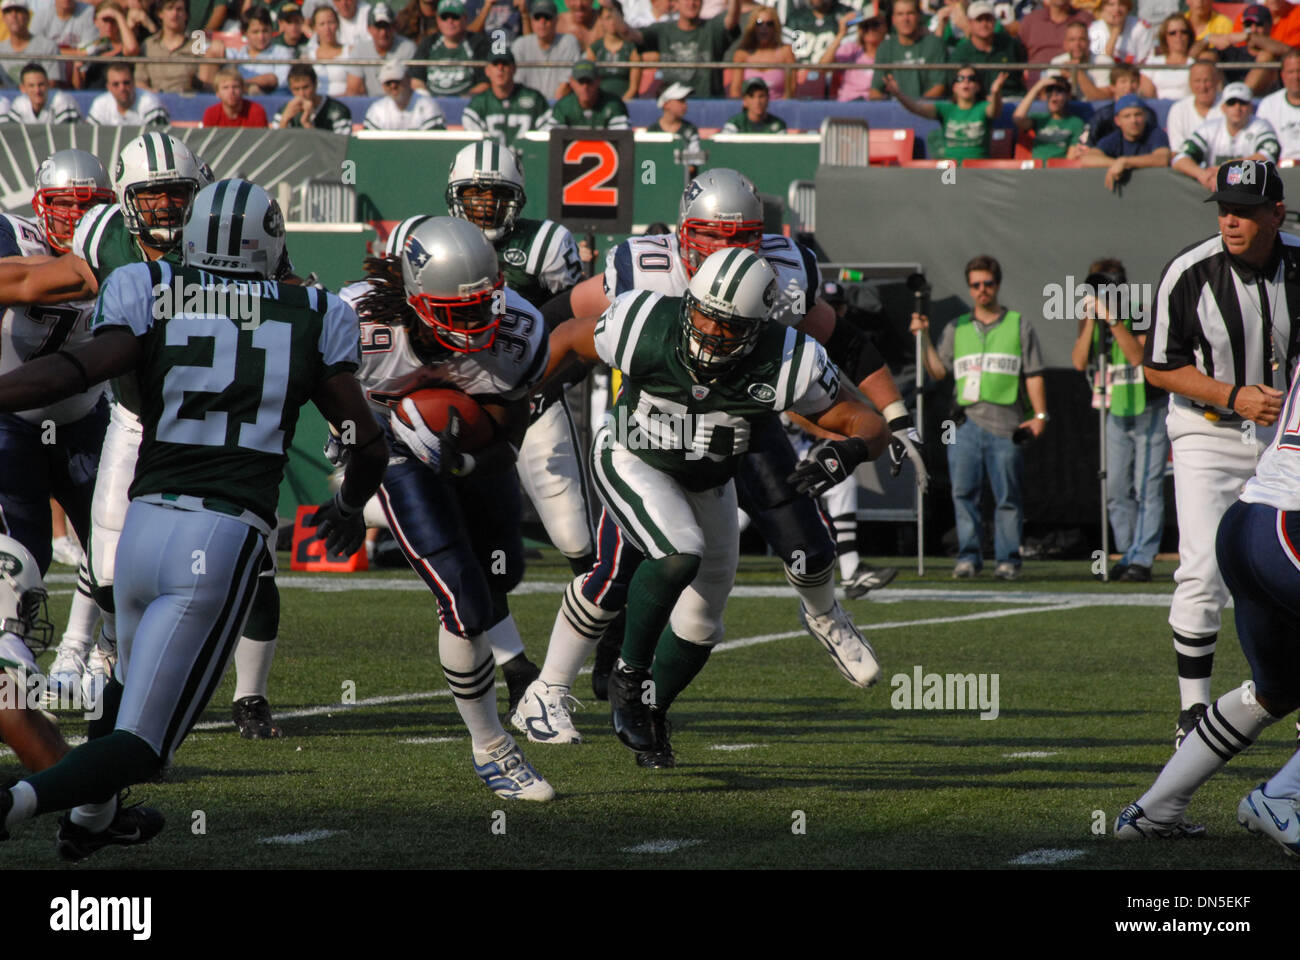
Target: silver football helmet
486 187
735 290
235 227
397 238
164 170
719 208
68 183
23 609
451 277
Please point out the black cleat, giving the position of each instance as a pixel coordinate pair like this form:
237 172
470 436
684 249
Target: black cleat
132 825
252 715
661 757
1187 721
628 710
519 673
1136 573
607 651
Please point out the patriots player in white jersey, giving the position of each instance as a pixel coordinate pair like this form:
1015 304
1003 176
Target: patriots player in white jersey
439 314
1258 551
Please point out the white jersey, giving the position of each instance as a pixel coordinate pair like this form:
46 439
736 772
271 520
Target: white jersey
1183 119
1135 43
391 368
1285 120
420 113
1277 476
655 263
1212 143
145 110
37 331
59 108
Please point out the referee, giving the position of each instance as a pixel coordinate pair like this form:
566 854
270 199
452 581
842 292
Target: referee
1224 345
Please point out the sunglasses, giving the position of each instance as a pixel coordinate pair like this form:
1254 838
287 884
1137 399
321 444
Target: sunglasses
981 284
1236 103
968 78
542 16
449 16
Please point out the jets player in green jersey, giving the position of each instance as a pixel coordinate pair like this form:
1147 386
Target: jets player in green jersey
698 372
155 179
205 488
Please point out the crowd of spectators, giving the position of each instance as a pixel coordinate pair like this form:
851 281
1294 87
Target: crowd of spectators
584 59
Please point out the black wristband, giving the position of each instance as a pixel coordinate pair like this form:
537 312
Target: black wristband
899 424
1232 398
854 448
85 378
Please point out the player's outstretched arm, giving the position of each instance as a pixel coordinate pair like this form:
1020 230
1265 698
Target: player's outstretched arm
571 343
854 419
833 461
66 373
45 280
588 299
342 403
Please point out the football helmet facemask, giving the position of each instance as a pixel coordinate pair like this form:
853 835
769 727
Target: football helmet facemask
23 609
486 187
68 184
720 208
155 180
735 290
451 276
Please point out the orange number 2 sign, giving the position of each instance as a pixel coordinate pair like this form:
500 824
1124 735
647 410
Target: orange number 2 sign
593 188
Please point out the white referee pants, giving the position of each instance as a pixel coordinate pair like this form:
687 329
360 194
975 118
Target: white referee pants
1211 463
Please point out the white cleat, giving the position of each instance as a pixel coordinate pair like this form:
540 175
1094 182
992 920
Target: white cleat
65 550
99 669
64 677
1133 824
849 650
1277 818
507 773
543 714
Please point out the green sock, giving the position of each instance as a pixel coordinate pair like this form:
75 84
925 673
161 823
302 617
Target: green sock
653 591
676 664
95 771
106 722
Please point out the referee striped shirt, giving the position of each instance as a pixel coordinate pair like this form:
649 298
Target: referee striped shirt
1217 313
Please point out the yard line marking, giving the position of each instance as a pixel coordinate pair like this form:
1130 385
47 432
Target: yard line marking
661 846
1035 754
1045 857
734 746
308 836
332 707
430 739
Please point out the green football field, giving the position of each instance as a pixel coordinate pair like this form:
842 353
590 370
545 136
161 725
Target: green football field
781 762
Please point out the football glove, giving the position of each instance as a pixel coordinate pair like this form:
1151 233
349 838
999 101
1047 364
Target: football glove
343 528
436 450
828 463
335 452
906 445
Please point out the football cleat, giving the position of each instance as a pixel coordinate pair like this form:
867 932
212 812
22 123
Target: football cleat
629 711
252 715
1277 818
1133 824
661 757
1187 721
65 550
866 578
6 804
132 825
519 672
65 675
507 773
543 714
607 651
849 650
99 670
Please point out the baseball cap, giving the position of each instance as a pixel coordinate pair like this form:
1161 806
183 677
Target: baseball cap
505 56
832 292
542 6
758 83
15 4
583 70
380 13
676 91
290 8
1237 91
1247 183
451 6
392 70
1129 100
980 8
1060 82
1256 13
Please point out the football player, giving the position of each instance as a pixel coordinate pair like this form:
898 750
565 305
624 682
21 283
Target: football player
438 313
206 483
155 179
59 446
720 209
700 372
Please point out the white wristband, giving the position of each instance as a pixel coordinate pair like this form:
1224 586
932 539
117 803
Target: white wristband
894 410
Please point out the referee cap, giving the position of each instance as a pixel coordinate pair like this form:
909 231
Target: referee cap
1247 183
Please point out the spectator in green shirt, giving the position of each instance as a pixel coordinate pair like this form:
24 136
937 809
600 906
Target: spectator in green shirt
910 43
755 118
1056 133
309 109
292 31
966 120
987 44
586 105
690 38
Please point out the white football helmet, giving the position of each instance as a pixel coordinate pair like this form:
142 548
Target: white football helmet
163 168
235 227
23 608
451 276
492 173
68 184
720 208
736 289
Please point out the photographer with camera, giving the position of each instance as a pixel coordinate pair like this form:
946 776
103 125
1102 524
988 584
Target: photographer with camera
1137 445
995 357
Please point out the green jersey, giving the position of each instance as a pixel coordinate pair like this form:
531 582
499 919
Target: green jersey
741 123
965 131
612 81
1053 136
696 432
226 364
707 42
505 118
102 240
449 81
608 113
539 259
811 35
1006 49
914 83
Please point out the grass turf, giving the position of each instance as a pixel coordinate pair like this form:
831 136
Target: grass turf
768 738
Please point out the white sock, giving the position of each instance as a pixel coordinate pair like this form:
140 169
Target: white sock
848 563
82 618
1231 724
95 817
252 666
471 674
817 590
504 639
579 625
1192 691
1286 782
24 808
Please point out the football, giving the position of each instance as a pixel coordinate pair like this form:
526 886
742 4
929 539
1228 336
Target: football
435 405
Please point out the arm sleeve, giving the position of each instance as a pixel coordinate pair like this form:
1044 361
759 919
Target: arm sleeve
1031 354
340 336
618 270
1170 342
562 268
620 326
126 297
816 379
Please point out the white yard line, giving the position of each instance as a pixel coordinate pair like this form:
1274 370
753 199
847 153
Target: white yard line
1046 857
661 846
309 836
